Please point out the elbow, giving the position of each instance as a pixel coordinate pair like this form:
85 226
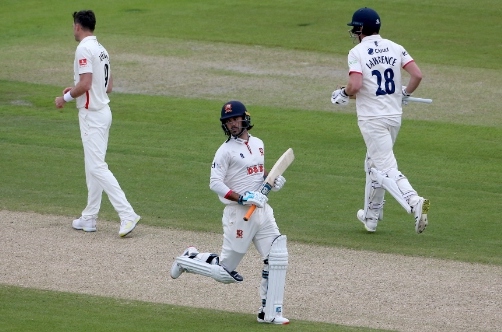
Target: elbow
87 86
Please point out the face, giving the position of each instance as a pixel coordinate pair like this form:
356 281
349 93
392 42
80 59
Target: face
76 28
234 125
355 33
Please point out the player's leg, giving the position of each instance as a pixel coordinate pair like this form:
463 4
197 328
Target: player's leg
374 201
237 235
273 249
87 221
206 264
380 138
99 123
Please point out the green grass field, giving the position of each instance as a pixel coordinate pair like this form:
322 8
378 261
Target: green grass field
164 136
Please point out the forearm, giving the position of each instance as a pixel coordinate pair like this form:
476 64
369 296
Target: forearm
413 84
78 90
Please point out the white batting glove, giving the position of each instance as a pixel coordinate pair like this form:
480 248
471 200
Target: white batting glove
278 183
339 97
405 95
253 197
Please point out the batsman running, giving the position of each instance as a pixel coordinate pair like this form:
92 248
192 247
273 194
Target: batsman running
237 173
376 84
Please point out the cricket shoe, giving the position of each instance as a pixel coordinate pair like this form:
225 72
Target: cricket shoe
126 226
85 223
176 269
237 277
420 210
278 319
369 224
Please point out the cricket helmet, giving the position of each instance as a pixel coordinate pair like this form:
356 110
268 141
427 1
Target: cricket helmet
232 109
366 18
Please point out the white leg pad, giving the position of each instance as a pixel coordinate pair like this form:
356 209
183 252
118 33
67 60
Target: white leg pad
391 186
194 265
374 195
278 264
373 200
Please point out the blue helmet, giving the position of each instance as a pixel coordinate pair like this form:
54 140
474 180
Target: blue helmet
366 18
232 109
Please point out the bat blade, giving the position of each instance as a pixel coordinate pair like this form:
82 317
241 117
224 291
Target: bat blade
279 167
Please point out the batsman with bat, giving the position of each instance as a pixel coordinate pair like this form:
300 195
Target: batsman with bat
375 83
237 174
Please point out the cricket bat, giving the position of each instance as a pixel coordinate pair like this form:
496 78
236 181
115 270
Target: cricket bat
409 98
279 167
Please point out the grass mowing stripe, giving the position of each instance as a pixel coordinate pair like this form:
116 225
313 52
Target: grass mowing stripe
29 310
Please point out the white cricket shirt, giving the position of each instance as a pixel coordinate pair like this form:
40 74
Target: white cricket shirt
92 57
238 166
379 61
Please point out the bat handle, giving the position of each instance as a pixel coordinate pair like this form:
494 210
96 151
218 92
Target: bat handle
250 212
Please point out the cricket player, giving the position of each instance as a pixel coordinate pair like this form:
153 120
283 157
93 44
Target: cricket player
237 172
93 81
376 84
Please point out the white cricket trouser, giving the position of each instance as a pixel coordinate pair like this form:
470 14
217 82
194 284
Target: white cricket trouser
380 136
261 229
94 130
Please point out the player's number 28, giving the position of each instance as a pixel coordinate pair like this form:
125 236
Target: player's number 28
389 85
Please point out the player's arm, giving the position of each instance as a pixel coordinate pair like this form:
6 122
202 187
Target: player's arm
71 93
355 83
109 87
83 85
415 76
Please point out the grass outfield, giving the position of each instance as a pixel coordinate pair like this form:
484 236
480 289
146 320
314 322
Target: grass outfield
37 310
161 146
162 160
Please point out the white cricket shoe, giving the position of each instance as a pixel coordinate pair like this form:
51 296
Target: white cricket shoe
176 269
420 210
369 224
126 226
278 319
85 223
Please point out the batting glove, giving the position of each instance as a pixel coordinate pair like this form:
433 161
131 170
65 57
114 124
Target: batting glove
253 197
278 183
339 97
405 95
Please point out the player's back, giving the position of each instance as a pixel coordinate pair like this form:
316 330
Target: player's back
92 57
379 61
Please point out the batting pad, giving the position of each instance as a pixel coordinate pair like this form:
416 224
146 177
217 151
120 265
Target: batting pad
278 264
196 266
391 186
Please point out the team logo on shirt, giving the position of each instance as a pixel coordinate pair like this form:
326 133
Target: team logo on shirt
82 62
255 169
242 156
261 151
240 234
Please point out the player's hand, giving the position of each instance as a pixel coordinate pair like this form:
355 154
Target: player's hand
278 183
59 101
339 97
405 95
253 197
